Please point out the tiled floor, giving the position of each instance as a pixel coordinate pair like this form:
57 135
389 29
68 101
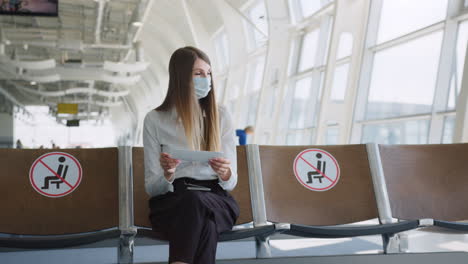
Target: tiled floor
417 241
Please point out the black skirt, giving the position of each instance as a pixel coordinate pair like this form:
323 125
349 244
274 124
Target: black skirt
191 218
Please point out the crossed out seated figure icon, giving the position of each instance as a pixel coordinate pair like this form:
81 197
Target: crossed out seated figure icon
316 174
54 179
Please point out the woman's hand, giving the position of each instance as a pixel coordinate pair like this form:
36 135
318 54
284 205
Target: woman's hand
221 167
168 164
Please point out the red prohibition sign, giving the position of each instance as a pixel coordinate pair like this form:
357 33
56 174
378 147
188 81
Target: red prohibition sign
303 163
39 162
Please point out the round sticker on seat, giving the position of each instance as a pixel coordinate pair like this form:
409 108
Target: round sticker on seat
55 174
316 169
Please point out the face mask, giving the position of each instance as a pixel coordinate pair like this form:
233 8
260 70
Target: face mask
202 86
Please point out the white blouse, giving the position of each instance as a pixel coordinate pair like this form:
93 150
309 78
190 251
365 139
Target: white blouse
164 128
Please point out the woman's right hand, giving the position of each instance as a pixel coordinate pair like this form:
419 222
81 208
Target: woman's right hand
168 164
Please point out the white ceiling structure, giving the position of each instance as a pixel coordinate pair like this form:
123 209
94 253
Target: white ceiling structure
109 56
86 55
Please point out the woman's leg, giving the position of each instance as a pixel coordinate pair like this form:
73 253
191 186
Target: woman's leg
186 227
206 249
193 224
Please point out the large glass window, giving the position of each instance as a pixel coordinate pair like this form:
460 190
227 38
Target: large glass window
332 136
401 17
252 109
255 74
233 94
308 50
449 127
220 89
305 8
45 129
222 50
345 46
309 7
253 87
407 132
258 16
302 104
340 80
457 73
303 137
297 124
404 78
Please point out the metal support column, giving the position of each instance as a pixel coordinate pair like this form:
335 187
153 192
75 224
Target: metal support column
126 225
257 198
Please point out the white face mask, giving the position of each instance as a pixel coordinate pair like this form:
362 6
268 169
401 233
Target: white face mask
202 86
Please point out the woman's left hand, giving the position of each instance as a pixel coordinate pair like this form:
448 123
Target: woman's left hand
221 167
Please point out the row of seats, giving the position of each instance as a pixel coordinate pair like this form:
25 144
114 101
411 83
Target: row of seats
404 186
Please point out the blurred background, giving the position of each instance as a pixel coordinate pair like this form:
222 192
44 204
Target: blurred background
299 71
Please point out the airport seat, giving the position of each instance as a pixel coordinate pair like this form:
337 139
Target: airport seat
299 211
241 193
88 214
428 182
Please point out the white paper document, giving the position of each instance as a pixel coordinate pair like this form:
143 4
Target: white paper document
191 155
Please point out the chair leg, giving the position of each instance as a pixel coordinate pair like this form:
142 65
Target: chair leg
262 245
391 243
126 246
404 242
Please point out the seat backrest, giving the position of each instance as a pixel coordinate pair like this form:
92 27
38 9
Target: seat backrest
93 205
141 209
351 199
427 181
140 197
241 192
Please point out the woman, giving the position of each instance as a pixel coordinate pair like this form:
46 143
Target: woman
189 118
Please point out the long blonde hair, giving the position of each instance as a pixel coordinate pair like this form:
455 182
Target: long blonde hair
199 117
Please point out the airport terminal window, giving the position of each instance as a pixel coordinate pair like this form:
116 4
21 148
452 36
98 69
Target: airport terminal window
232 108
345 45
340 80
221 89
255 74
406 132
332 135
272 99
233 93
222 50
329 23
252 109
253 87
308 50
404 77
44 129
303 137
264 140
304 8
400 17
453 93
308 7
258 15
302 105
457 73
449 127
